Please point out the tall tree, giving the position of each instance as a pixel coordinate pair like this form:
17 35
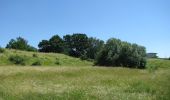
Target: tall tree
119 53
56 43
77 44
44 46
94 46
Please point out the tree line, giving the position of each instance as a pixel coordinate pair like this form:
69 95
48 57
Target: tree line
112 53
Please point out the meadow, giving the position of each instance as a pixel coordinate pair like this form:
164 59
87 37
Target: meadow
74 79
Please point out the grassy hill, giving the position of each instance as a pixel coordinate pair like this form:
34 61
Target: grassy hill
158 63
82 82
46 59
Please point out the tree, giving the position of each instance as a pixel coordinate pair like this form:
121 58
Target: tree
76 44
109 55
31 48
57 44
20 44
67 44
94 46
44 46
119 53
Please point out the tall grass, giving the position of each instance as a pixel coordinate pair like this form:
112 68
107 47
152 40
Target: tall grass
83 83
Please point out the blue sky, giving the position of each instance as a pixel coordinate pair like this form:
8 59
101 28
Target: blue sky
145 22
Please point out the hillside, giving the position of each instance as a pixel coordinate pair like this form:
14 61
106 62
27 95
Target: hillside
158 63
57 59
46 59
82 82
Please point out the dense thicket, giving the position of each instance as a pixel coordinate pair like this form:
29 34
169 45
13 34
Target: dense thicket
119 53
20 44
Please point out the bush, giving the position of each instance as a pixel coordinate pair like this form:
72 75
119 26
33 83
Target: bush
57 61
119 53
37 63
35 55
2 50
16 59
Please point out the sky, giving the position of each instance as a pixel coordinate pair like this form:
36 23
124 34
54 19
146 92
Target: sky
145 22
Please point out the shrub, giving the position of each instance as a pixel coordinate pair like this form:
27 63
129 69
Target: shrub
57 61
2 50
16 59
35 55
37 63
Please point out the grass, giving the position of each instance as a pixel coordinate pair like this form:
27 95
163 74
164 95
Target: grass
83 83
65 78
47 59
159 63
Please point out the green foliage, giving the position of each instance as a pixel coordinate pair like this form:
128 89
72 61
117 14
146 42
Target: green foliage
119 53
35 55
37 63
44 46
16 59
84 57
31 48
76 44
2 50
94 46
57 62
55 44
20 44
